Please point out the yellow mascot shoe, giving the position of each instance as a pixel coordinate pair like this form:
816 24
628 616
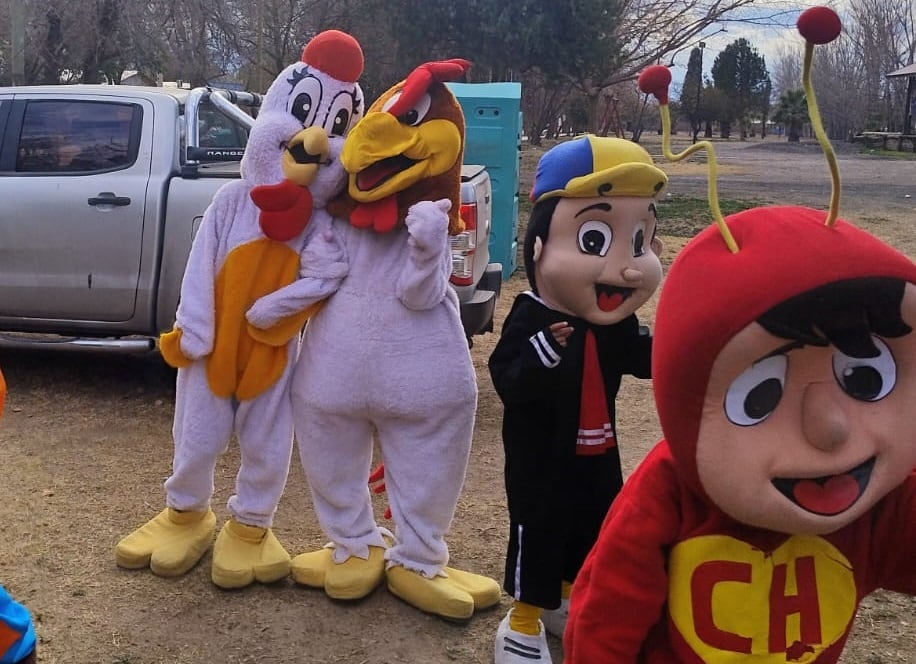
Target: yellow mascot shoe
352 579
436 595
308 569
170 543
485 591
355 577
244 554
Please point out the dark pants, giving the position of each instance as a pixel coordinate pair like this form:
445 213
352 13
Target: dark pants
552 528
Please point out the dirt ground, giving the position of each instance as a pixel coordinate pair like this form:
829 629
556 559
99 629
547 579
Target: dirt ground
87 443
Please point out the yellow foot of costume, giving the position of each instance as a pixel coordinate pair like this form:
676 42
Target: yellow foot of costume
454 597
352 579
245 554
485 591
169 544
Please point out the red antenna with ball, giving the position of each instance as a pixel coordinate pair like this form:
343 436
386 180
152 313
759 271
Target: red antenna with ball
655 80
818 25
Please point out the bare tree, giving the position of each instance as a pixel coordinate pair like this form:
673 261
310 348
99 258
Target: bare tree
786 72
850 74
199 40
267 35
655 31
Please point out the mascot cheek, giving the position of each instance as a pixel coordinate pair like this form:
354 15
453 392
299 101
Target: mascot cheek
262 161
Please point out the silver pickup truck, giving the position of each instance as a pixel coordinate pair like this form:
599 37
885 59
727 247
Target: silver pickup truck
103 188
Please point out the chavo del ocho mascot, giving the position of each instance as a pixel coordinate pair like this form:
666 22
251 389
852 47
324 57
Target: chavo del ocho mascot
784 491
259 234
387 357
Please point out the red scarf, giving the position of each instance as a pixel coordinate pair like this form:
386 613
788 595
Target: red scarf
596 434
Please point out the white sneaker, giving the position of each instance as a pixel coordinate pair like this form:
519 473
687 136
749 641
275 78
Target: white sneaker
516 648
555 619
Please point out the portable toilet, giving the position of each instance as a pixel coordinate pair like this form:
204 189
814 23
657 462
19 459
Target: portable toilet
493 134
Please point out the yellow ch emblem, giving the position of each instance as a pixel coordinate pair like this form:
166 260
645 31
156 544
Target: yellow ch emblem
734 603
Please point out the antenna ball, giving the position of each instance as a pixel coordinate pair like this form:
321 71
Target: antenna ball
819 25
655 80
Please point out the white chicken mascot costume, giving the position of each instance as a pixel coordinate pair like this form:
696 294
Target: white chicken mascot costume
260 233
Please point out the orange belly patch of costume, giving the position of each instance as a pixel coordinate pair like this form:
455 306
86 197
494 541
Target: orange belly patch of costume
241 366
735 603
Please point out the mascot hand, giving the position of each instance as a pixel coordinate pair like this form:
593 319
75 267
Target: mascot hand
324 257
180 349
560 332
264 313
427 224
193 347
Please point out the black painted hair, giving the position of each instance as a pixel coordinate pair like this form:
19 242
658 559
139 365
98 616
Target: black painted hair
843 313
538 227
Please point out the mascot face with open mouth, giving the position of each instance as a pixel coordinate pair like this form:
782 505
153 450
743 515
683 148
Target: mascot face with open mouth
799 427
592 248
408 148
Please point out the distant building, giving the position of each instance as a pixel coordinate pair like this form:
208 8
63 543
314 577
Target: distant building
133 77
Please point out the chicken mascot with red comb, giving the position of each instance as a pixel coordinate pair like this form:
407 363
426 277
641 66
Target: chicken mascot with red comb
259 234
784 491
387 357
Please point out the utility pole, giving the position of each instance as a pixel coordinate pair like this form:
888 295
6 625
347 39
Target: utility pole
696 131
260 47
17 42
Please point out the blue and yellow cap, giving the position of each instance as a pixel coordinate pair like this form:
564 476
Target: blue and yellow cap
597 166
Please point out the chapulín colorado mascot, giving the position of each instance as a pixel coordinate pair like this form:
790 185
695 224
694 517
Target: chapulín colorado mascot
784 491
259 234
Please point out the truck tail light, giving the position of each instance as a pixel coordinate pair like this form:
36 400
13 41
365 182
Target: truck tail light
464 246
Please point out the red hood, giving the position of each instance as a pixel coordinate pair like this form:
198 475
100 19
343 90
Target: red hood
710 294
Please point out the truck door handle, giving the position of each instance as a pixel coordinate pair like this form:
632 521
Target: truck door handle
108 198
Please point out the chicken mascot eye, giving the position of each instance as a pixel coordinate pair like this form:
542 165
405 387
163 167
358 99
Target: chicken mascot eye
754 394
595 238
305 99
303 109
866 378
412 116
341 120
339 115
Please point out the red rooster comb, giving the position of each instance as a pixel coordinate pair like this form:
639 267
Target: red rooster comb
419 80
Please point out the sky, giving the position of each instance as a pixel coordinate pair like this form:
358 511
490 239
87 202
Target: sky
769 41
